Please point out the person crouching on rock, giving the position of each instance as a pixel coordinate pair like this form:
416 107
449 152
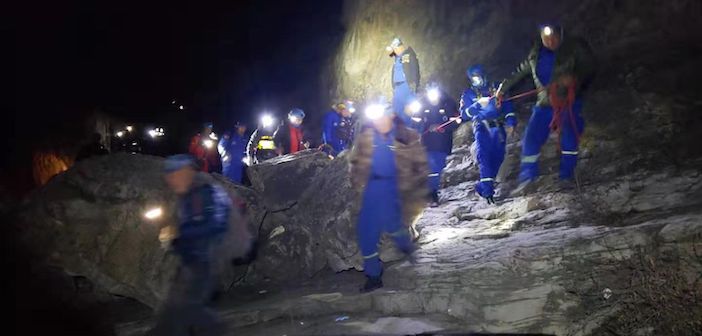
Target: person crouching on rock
203 213
389 169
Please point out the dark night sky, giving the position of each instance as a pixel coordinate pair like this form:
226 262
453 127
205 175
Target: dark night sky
223 61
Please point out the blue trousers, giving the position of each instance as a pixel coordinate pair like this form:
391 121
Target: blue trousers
536 136
402 95
234 170
185 308
380 212
490 152
437 162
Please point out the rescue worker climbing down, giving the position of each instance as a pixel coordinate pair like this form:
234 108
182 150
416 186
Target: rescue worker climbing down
489 121
261 145
388 168
404 77
560 68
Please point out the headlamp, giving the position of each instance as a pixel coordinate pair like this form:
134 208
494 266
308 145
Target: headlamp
213 136
153 133
294 120
375 111
120 134
208 143
548 31
267 121
476 80
129 128
415 106
433 94
153 213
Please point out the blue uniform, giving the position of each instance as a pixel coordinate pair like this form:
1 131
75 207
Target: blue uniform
381 208
203 213
489 133
232 151
402 93
538 129
438 143
330 135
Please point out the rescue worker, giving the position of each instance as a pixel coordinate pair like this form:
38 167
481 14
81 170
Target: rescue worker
232 149
336 128
404 77
435 111
261 145
203 146
560 67
388 168
291 136
203 213
489 121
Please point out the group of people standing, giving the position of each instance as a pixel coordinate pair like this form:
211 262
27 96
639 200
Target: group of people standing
397 155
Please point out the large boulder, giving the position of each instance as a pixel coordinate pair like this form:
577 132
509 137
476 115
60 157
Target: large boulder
319 231
89 222
283 179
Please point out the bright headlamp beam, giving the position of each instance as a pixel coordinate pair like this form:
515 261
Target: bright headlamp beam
375 111
433 94
548 31
129 128
120 134
267 121
153 213
208 143
415 106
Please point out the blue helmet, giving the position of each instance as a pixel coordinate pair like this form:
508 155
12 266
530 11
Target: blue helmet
476 75
297 113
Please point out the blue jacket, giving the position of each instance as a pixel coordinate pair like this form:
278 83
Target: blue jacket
203 215
442 140
232 150
330 135
471 110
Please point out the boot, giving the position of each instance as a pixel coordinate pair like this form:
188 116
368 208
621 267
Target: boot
372 283
434 199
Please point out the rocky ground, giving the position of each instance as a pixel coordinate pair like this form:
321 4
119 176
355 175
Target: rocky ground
579 262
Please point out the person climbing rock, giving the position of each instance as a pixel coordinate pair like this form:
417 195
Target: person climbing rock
388 168
561 68
203 146
435 111
261 144
489 121
204 210
291 137
336 128
232 148
404 77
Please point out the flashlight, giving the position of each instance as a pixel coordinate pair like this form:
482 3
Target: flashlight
153 213
374 111
548 30
181 107
267 120
208 143
129 128
415 106
153 133
120 134
433 94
